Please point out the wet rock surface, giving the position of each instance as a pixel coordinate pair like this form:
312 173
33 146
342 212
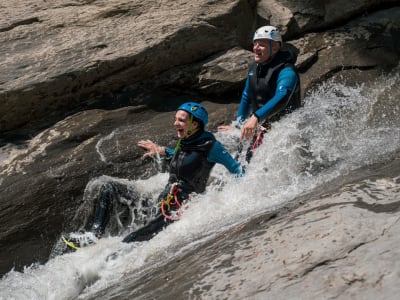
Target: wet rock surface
80 77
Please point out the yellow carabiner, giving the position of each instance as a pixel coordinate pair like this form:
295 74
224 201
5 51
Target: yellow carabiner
69 243
167 201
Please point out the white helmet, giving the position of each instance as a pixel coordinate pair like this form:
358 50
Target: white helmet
268 32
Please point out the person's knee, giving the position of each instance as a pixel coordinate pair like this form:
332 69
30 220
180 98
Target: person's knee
107 187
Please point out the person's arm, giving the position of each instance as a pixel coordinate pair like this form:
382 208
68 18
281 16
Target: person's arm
220 155
286 83
245 102
169 152
244 108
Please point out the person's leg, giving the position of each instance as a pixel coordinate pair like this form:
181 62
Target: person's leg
159 221
104 208
119 205
147 232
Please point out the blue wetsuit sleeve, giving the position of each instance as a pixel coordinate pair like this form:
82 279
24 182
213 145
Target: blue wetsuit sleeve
218 154
286 83
169 152
245 102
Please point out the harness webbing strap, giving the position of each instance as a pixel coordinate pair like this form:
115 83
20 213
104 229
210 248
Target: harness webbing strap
172 199
260 136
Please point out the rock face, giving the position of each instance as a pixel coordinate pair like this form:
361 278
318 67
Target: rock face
77 76
297 17
59 55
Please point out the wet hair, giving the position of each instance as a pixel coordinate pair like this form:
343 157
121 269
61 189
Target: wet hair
200 122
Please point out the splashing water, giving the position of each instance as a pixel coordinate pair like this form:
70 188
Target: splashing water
339 129
100 143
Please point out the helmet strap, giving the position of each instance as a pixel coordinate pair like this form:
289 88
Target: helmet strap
190 130
189 133
270 48
178 144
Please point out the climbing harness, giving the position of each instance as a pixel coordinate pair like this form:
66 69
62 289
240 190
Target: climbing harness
172 199
260 136
257 141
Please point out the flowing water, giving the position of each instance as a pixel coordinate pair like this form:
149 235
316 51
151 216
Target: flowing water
340 129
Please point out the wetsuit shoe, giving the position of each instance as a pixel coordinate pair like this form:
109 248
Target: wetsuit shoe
97 230
79 240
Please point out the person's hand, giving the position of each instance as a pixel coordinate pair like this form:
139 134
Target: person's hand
225 127
152 148
249 128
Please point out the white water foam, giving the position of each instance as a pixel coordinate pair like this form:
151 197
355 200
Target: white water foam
337 131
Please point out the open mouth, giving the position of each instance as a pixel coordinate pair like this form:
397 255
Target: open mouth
258 53
180 131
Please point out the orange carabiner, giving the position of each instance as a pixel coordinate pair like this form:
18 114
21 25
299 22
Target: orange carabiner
173 194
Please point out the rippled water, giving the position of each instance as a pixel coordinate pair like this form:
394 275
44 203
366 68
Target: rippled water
340 130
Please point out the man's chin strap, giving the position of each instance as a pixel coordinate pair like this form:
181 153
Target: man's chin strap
189 133
270 49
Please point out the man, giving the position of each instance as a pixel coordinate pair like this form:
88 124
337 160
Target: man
192 160
272 87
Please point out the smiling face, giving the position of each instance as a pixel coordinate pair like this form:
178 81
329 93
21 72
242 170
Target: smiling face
262 50
182 124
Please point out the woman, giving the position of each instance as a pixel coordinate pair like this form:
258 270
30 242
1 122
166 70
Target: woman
196 153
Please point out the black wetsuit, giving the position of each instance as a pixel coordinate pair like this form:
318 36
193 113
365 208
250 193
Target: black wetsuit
272 89
190 169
